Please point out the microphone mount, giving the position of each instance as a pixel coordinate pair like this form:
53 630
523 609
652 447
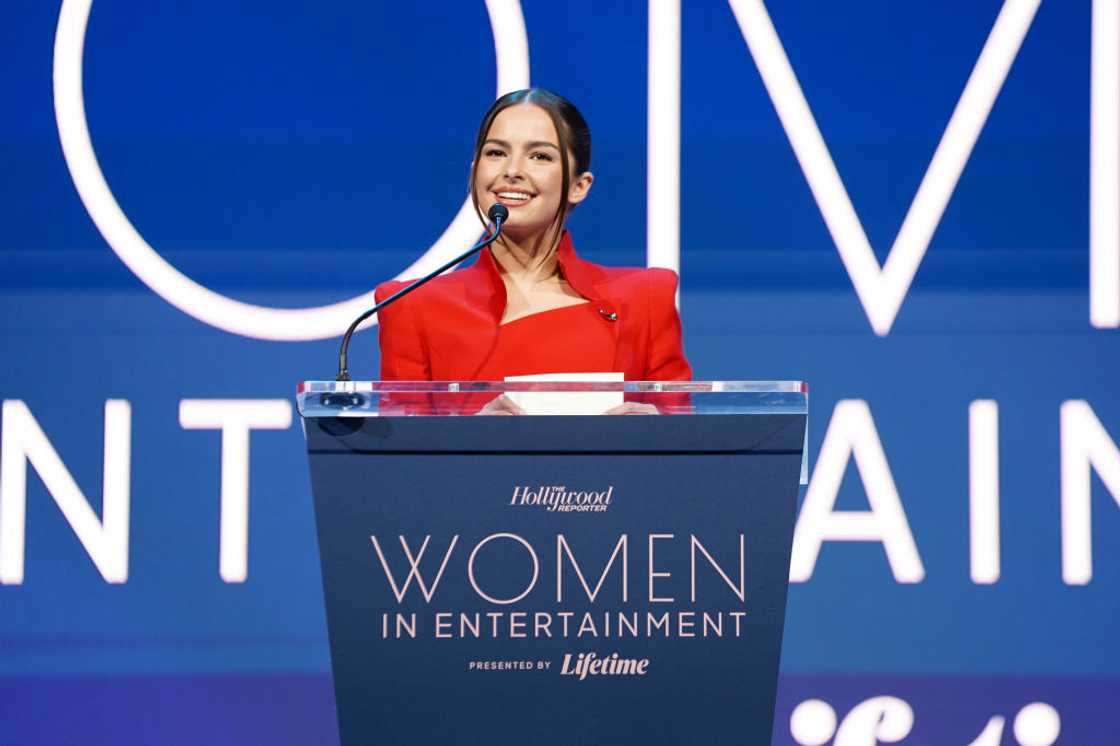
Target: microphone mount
498 214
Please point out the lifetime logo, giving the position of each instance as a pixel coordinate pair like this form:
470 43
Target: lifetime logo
559 499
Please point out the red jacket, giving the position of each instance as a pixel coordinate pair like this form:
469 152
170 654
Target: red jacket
445 330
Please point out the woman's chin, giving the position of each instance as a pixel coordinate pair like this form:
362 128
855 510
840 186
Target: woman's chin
518 233
520 230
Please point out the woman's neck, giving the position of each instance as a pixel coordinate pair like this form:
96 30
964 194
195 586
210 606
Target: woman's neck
528 261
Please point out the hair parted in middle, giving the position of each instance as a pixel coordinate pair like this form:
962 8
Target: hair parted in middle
571 129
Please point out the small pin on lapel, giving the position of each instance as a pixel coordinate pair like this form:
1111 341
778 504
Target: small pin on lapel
608 315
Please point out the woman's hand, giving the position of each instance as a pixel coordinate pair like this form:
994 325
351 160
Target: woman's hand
633 407
501 405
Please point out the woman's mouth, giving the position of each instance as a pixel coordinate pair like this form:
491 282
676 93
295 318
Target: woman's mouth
513 199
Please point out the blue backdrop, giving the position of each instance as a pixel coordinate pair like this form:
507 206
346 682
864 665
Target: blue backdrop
290 155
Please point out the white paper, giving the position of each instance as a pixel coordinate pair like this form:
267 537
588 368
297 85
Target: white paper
566 402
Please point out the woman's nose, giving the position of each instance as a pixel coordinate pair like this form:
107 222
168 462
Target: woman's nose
514 169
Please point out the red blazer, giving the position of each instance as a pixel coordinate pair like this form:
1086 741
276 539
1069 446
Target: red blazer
445 330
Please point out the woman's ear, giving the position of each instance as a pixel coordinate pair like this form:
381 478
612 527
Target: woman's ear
580 186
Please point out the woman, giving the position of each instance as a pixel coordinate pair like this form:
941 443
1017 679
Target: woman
529 305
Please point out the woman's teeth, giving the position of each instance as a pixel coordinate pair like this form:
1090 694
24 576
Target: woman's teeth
517 196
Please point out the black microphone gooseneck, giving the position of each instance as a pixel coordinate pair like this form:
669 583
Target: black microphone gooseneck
497 214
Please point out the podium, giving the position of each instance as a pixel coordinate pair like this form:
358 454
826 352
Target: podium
555 579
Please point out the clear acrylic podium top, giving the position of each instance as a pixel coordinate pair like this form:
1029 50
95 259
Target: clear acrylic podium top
569 397
328 399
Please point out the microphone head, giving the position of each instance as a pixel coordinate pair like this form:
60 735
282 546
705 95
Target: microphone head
498 213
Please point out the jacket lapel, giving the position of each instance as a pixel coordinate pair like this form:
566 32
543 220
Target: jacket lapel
483 296
590 281
484 302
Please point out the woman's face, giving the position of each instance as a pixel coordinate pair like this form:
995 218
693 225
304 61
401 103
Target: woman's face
519 166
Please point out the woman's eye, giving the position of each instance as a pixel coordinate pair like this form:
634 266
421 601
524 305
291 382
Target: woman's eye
494 153
541 157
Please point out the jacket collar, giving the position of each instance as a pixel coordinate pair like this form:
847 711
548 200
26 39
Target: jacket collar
485 287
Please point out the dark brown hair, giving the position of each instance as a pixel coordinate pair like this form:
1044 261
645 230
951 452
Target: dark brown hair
571 129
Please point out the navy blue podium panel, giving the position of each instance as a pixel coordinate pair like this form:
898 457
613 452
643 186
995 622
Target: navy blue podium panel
555 580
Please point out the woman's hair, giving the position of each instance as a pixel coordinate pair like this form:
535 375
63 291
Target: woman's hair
571 128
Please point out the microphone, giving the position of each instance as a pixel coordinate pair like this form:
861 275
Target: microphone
497 214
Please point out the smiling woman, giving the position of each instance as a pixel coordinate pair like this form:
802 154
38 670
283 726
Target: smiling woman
529 305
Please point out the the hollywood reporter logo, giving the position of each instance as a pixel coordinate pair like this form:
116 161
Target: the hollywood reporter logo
559 499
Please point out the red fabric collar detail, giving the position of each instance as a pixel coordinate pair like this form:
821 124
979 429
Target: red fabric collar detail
583 276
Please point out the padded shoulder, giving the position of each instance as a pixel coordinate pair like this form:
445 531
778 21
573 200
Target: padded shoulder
635 282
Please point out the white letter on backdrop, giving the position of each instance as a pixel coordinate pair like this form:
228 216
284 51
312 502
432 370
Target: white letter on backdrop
1104 168
663 136
876 720
106 540
881 291
852 432
983 490
235 418
1085 446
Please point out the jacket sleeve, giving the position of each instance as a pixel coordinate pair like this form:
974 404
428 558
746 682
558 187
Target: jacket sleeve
403 355
666 361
